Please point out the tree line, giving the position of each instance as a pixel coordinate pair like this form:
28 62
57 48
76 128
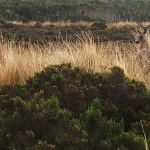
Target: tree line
87 10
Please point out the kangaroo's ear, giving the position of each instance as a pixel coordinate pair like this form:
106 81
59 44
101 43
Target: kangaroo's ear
145 30
138 31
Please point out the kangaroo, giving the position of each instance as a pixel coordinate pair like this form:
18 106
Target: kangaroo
143 55
142 40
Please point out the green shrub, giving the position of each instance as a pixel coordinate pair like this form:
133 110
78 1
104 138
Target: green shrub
42 145
8 25
69 108
38 25
101 24
2 22
137 127
132 141
76 88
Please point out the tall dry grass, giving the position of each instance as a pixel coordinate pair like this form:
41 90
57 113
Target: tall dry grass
31 23
122 24
17 63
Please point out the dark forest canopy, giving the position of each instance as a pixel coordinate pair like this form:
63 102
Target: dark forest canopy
88 10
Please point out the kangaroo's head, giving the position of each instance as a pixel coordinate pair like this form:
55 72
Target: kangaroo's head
141 37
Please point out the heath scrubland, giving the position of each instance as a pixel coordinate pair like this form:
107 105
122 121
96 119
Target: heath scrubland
70 78
79 89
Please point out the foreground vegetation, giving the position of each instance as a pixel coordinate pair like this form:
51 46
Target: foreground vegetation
71 109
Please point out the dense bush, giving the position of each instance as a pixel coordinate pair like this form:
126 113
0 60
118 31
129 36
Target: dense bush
71 109
101 24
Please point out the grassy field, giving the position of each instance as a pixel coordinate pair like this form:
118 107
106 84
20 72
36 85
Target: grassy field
18 62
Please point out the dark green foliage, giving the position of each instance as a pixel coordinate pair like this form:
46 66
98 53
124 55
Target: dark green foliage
38 25
41 119
92 111
43 146
101 24
88 10
132 141
2 22
136 127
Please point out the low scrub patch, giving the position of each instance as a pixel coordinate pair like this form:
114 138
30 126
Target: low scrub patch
69 108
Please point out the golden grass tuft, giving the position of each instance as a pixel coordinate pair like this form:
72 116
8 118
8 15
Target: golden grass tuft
118 25
56 24
122 24
31 23
17 63
67 23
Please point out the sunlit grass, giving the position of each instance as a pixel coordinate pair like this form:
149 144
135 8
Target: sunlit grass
118 25
18 62
56 24
123 24
133 24
31 23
